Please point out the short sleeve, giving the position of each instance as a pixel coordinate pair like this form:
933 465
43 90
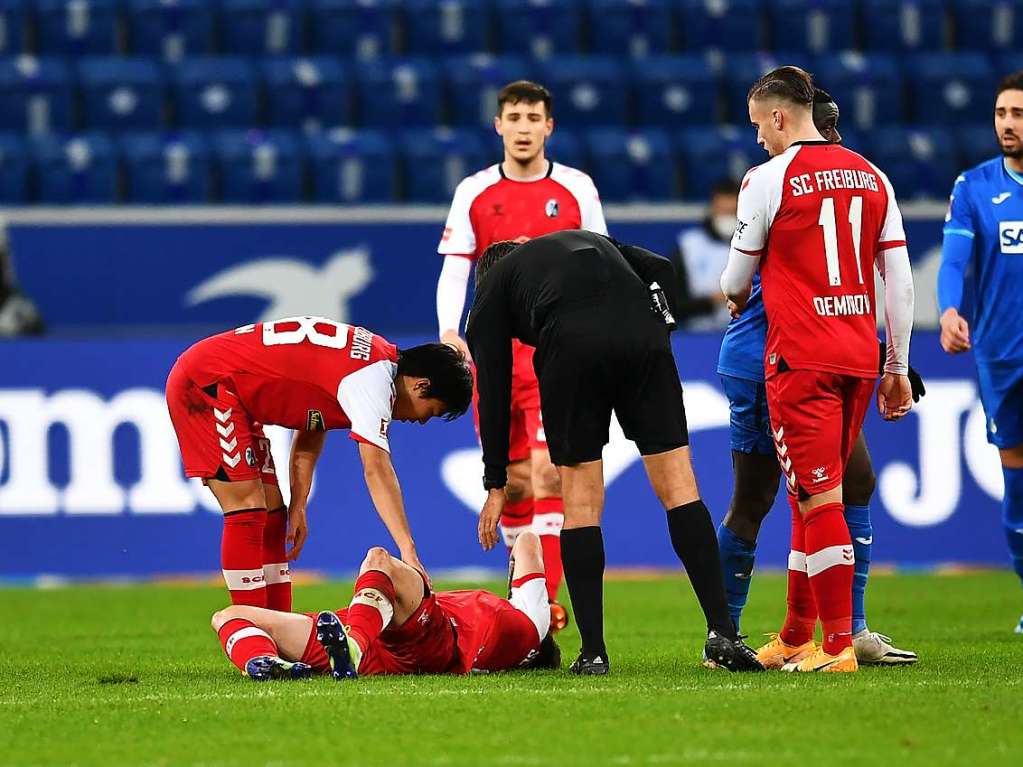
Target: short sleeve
459 239
367 397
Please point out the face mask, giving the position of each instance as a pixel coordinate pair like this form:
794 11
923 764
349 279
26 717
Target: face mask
724 225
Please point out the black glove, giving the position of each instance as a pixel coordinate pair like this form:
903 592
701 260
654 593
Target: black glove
916 383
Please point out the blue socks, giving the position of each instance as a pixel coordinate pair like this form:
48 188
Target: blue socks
737 558
862 534
1012 516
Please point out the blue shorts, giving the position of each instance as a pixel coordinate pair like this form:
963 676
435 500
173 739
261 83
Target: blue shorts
749 425
1001 393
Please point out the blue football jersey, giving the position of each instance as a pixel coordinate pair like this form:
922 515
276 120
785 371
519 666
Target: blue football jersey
742 348
987 208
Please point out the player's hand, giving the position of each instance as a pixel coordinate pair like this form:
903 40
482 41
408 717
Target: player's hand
916 384
451 338
894 396
733 310
411 558
489 517
298 529
955 332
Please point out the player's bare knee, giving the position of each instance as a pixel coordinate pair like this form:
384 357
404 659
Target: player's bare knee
547 481
222 616
516 491
527 545
377 558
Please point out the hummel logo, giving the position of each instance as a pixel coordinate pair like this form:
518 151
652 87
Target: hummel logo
1001 198
865 541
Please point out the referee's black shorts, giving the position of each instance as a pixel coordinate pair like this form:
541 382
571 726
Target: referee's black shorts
596 360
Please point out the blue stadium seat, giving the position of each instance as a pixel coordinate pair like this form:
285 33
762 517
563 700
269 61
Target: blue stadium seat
629 166
920 162
166 168
121 93
744 69
812 25
563 146
446 26
976 144
867 87
982 25
169 29
215 93
261 167
14 169
353 166
13 26
675 90
398 92
727 25
636 27
1008 62
904 25
538 27
435 160
362 29
262 27
311 93
37 95
76 169
473 83
76 27
710 154
949 88
587 90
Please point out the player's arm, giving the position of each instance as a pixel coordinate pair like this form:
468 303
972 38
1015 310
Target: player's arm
592 212
489 336
894 393
755 211
305 452
457 246
956 252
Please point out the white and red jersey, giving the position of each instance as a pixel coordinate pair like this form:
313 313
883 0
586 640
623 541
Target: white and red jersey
489 207
492 634
819 216
306 373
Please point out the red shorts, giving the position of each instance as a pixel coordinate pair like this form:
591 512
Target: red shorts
526 432
424 644
815 420
217 437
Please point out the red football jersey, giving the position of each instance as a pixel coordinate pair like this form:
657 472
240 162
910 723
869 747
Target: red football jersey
484 641
489 207
306 373
819 216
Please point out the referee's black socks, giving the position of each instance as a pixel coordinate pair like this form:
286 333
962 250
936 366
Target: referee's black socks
695 542
582 554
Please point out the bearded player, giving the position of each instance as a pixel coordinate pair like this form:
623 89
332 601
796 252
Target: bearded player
524 196
756 469
313 375
396 625
815 219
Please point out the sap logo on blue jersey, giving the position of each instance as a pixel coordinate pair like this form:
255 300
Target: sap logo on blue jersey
1010 233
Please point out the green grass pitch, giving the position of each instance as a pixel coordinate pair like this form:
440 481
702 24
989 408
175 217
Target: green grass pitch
134 676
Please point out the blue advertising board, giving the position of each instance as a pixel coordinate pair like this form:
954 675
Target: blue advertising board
91 483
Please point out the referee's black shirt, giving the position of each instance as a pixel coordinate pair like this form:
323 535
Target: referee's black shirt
523 294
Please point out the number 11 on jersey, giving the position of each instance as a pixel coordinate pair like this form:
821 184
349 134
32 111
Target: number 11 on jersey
828 224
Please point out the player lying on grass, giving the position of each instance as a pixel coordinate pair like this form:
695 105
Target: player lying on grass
313 375
396 625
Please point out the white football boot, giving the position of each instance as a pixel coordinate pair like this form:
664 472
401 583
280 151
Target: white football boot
874 649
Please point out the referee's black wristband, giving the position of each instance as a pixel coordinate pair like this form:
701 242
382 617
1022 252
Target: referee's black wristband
493 484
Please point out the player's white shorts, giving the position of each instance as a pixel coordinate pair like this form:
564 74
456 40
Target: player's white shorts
531 599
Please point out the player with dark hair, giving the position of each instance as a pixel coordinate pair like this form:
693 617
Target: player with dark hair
310 374
836 217
396 625
756 469
985 223
524 196
600 321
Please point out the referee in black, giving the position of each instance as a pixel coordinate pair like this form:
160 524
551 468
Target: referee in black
595 312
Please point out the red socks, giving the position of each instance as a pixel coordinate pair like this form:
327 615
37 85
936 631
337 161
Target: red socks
801 617
276 571
242 642
517 518
241 556
829 566
371 609
548 519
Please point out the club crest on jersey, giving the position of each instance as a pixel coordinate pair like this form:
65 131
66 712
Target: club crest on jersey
314 421
551 208
250 457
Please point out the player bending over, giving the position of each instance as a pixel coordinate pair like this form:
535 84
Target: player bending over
757 472
396 625
313 375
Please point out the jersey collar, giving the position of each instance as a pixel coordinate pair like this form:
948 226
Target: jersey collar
1018 178
810 142
547 174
